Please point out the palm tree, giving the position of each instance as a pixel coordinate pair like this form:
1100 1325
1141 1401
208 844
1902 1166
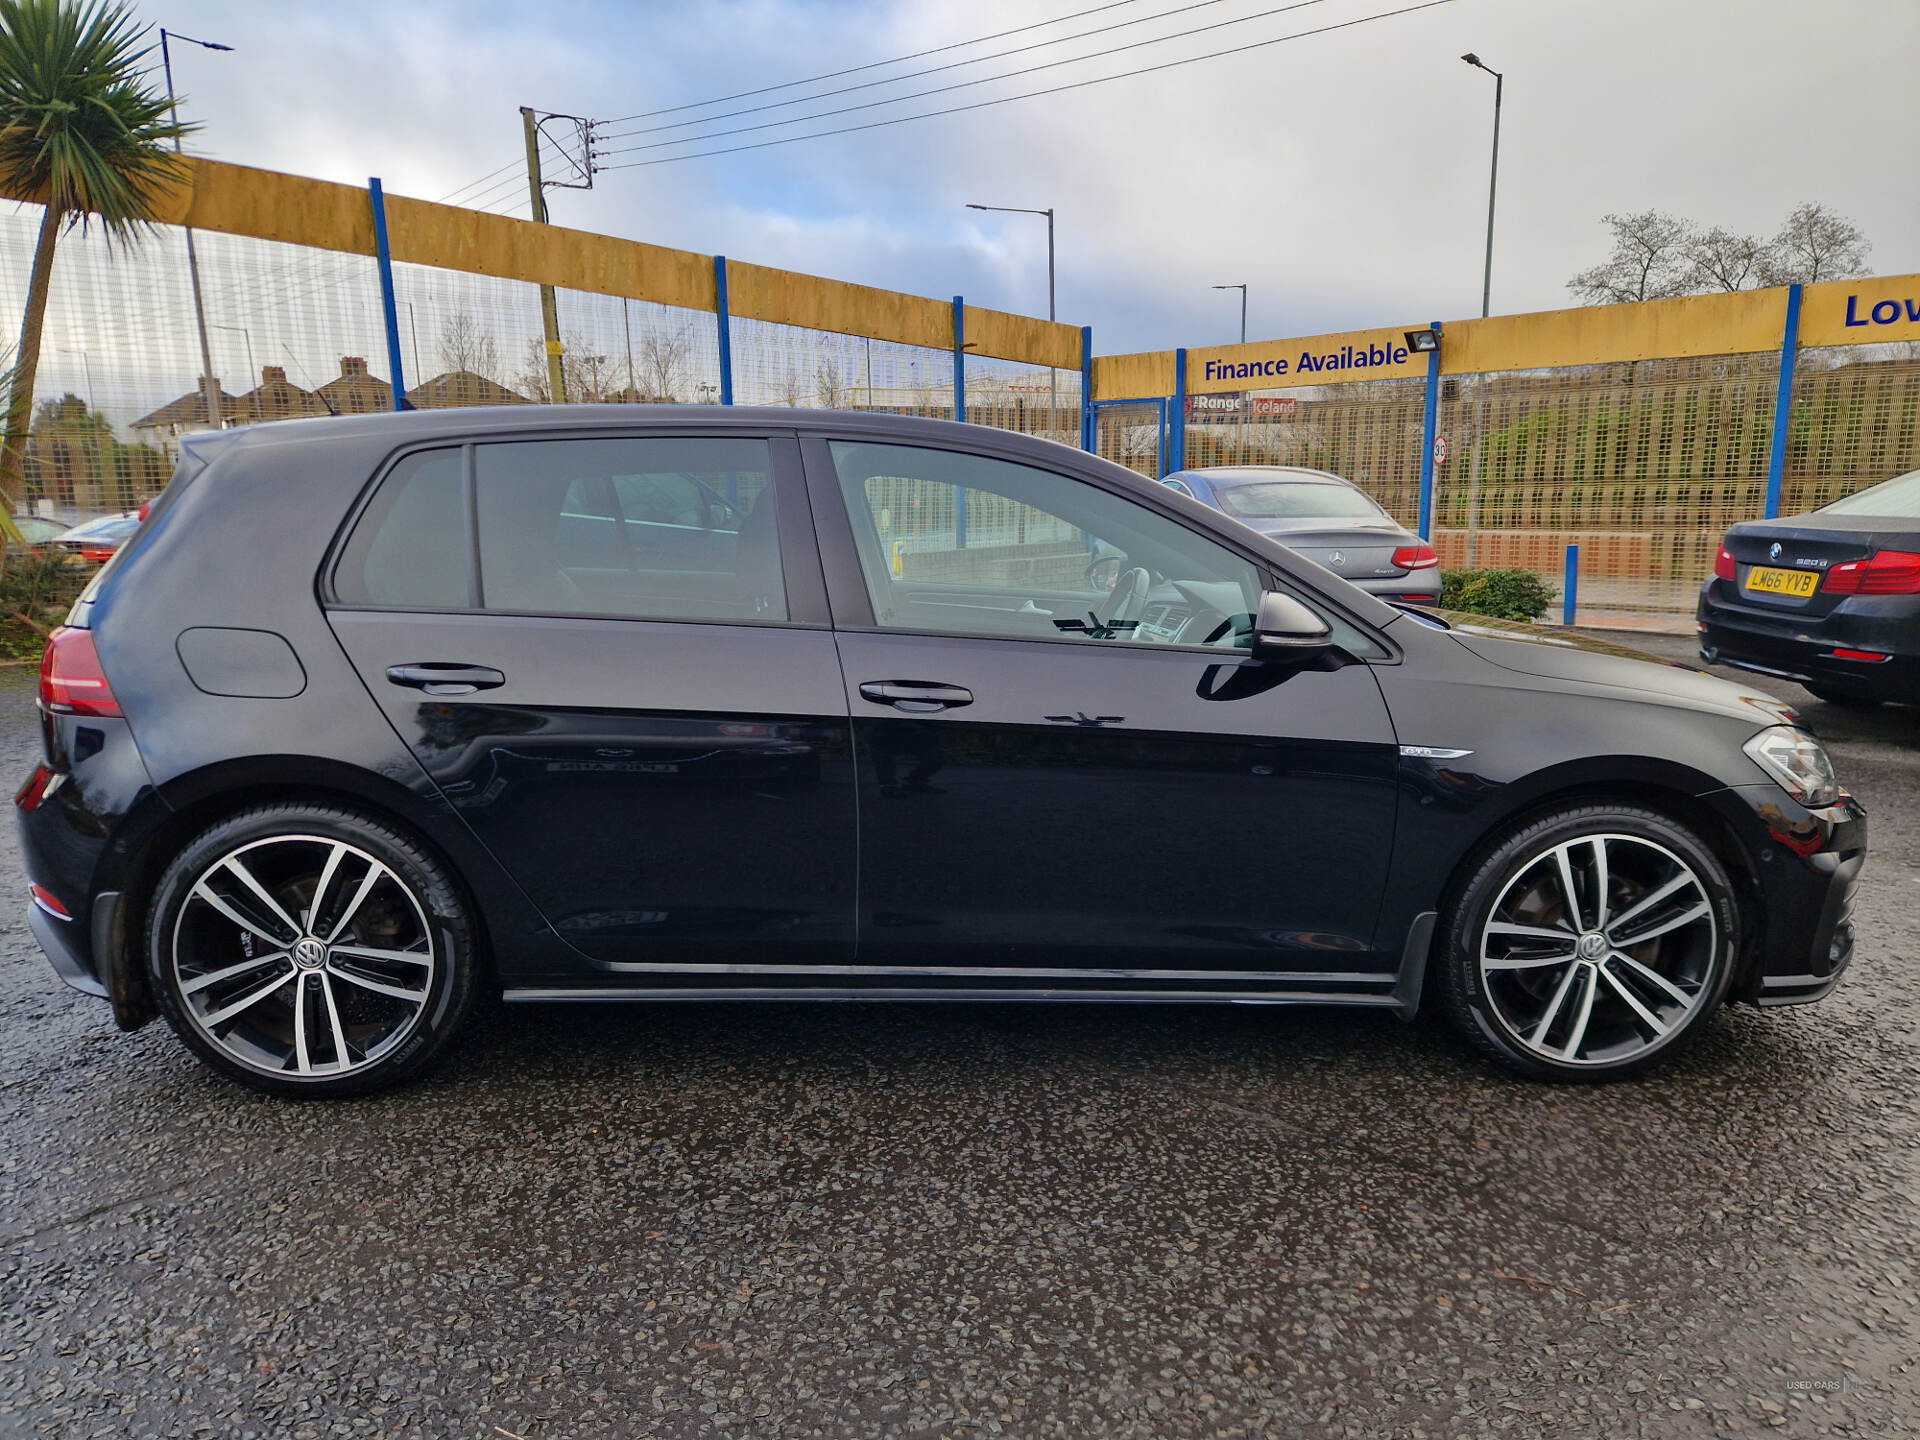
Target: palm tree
81 128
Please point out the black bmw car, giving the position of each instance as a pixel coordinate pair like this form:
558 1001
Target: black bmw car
377 714
1830 599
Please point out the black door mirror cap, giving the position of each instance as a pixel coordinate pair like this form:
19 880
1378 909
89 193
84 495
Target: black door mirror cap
1284 628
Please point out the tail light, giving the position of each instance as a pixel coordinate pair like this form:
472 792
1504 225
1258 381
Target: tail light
1889 572
1723 564
71 680
1415 557
146 508
96 554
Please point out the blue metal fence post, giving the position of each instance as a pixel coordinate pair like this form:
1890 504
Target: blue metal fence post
388 306
1174 457
1570 590
1783 402
959 358
959 413
1089 429
725 327
1430 433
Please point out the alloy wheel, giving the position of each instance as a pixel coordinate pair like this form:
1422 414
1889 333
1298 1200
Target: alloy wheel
303 956
1599 949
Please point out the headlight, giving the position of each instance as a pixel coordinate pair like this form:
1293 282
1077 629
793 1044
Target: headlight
1799 762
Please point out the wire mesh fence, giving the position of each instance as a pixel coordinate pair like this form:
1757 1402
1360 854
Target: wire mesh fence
1644 465
807 369
1855 421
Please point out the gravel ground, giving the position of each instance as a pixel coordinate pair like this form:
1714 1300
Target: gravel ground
863 1221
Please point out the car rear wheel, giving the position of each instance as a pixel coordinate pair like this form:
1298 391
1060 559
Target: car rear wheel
1589 943
309 950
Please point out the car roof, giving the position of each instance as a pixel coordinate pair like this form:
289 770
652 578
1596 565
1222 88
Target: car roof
405 427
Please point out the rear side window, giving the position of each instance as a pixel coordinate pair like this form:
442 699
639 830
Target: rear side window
658 528
410 547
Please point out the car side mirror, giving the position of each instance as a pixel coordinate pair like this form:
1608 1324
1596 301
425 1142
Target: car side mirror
1283 628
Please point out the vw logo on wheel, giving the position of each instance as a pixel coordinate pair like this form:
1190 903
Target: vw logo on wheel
1773 552
309 954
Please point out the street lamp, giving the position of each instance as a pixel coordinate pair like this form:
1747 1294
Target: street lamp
1493 176
1053 379
209 386
255 387
87 366
1243 308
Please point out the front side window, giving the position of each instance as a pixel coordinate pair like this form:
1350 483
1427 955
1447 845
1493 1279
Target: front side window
656 528
966 544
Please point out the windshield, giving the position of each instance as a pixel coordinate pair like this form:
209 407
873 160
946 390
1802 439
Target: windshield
1295 500
1899 496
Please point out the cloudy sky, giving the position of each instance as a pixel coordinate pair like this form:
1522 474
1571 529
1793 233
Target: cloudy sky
1343 176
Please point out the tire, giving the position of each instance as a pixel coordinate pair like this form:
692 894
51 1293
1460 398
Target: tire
385 967
1842 699
1538 994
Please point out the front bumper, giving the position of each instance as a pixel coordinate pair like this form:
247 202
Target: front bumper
1805 868
1797 646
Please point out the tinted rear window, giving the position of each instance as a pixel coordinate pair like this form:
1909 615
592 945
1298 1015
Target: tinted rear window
1295 500
410 548
1898 498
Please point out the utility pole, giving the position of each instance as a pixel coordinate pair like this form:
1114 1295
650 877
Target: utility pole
209 386
549 310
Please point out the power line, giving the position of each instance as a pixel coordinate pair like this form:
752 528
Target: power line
917 74
969 84
871 65
1032 94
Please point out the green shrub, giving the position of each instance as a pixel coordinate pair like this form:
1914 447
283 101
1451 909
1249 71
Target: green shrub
1503 594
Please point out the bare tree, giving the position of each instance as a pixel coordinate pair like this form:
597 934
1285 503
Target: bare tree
1816 244
531 381
833 394
660 364
789 390
465 346
1649 261
1721 259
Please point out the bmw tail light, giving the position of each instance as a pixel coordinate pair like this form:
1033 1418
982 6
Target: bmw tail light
1888 572
1723 564
71 680
1415 557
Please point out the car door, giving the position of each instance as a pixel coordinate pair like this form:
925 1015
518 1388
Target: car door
642 720
1059 777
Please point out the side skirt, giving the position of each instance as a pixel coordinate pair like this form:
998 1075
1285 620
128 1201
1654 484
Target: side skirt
601 995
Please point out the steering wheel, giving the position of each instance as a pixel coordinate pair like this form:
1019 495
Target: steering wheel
1129 600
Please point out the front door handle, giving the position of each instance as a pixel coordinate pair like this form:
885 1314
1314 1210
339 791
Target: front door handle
916 697
446 677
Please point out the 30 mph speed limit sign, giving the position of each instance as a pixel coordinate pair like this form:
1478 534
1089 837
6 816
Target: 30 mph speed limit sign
1439 449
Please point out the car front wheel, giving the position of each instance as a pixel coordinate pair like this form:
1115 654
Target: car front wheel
311 950
1589 943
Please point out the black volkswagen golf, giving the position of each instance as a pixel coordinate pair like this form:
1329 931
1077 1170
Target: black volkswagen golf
377 714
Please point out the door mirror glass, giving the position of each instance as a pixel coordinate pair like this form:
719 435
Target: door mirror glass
1283 627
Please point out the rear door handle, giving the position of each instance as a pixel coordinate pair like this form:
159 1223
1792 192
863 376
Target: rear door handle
916 697
446 677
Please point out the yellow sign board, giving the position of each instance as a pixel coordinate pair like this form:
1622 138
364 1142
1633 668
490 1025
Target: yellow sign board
1861 312
1317 360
